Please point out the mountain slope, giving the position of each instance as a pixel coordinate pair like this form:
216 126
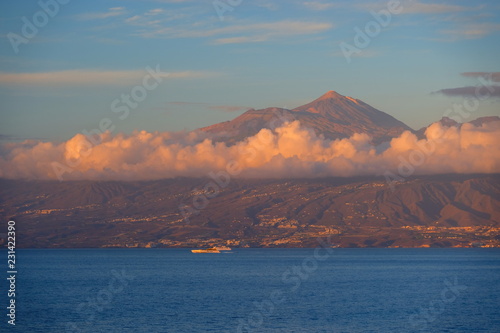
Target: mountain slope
345 116
442 210
333 115
448 122
249 124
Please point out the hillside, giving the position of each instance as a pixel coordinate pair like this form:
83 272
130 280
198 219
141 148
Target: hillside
452 210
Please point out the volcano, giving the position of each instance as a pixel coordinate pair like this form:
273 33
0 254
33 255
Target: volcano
332 115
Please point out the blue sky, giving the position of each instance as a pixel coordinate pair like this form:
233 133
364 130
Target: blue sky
65 77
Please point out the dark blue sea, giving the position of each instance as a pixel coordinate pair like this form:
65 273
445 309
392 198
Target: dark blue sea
255 290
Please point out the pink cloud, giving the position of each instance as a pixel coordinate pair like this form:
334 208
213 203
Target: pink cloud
289 151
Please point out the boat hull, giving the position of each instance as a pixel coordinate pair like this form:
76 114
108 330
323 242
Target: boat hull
205 251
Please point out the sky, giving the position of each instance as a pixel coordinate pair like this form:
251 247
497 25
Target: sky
61 72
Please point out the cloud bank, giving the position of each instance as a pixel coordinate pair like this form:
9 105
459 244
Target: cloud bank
288 151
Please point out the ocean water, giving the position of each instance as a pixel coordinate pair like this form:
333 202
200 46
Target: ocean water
256 290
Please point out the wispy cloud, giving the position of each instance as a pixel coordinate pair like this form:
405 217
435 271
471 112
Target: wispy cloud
364 53
470 91
417 7
229 108
91 77
262 32
186 103
240 40
223 108
490 76
114 11
154 12
488 87
106 40
451 22
230 34
317 5
158 18
192 22
471 30
267 4
12 138
173 1
193 75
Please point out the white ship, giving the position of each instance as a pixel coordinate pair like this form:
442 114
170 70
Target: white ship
209 250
